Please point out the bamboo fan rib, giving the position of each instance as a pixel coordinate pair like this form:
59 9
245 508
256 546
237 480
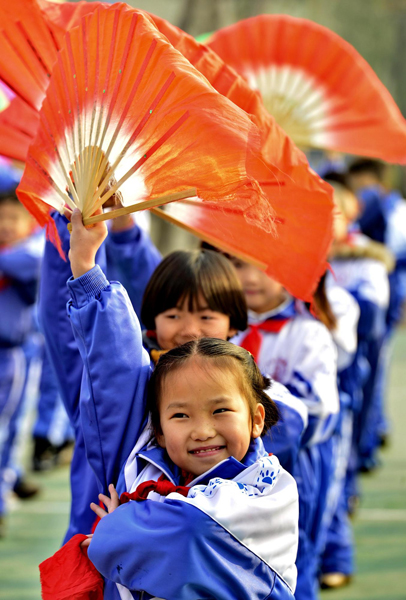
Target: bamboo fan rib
315 84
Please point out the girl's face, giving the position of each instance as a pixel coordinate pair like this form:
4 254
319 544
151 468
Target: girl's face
261 292
204 416
179 325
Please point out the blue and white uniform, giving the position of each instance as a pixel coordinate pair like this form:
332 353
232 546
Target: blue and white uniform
19 272
302 357
227 542
336 540
64 355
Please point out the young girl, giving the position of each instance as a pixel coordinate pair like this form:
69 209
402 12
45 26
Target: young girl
208 410
207 390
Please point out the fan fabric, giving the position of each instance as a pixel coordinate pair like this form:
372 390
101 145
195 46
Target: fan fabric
301 201
137 104
27 50
18 125
316 85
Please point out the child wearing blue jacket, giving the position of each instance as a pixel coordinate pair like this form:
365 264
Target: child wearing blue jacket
208 409
20 256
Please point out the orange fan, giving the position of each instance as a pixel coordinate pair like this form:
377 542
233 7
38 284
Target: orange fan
27 50
132 115
300 199
18 124
315 84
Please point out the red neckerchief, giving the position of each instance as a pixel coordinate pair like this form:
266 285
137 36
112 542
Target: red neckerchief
70 575
163 487
4 283
253 340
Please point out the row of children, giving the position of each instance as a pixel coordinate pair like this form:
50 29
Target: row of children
199 430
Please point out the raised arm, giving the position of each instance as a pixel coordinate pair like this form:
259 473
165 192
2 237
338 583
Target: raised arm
116 367
131 258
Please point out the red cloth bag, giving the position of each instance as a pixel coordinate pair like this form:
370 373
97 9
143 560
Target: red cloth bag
70 575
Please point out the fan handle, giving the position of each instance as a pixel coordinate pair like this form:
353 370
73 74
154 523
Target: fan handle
152 203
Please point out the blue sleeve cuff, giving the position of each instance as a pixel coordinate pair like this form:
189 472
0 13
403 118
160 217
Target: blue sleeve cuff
88 286
125 236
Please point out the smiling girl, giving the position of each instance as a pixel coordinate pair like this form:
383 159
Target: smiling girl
235 533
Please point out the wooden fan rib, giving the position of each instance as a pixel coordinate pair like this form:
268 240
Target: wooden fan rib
124 113
48 131
141 161
78 183
112 104
40 169
138 129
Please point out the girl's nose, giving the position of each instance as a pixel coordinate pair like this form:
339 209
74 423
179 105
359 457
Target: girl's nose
203 431
191 329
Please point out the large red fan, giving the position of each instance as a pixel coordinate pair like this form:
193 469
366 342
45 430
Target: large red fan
316 85
133 115
301 200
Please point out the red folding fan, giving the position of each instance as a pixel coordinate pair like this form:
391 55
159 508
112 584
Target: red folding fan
315 84
124 111
300 199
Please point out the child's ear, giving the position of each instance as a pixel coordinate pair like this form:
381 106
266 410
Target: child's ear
160 438
231 333
258 421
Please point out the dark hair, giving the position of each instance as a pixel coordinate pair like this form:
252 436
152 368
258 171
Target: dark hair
9 196
322 307
333 177
228 355
367 165
186 274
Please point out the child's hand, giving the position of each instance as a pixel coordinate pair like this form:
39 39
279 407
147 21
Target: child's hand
111 503
84 243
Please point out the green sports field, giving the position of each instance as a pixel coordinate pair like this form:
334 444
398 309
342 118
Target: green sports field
36 527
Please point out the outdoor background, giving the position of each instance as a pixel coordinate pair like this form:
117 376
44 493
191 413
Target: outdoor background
377 29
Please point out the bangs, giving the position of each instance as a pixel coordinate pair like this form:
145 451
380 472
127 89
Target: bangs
197 276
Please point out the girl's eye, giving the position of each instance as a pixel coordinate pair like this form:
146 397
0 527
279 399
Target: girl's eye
172 316
207 317
221 410
179 416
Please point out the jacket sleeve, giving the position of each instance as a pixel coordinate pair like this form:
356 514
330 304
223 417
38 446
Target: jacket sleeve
131 260
284 439
116 371
314 380
173 550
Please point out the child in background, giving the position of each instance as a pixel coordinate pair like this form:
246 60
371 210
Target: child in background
383 219
297 350
20 257
361 267
208 414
